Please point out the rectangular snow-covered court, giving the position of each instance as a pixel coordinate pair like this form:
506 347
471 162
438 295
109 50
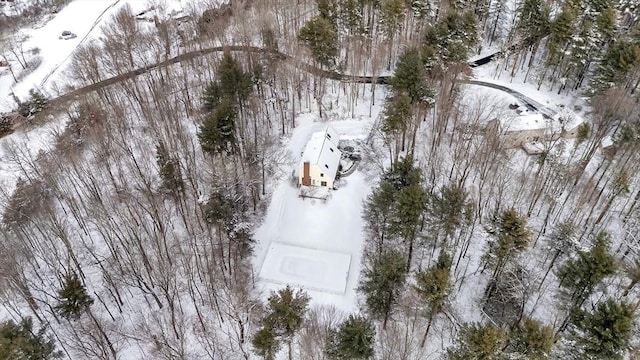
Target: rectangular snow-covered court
307 268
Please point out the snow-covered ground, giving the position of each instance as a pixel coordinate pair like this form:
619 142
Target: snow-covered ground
311 243
495 73
83 18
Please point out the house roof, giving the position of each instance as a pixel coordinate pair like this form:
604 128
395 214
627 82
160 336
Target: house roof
524 122
322 150
568 119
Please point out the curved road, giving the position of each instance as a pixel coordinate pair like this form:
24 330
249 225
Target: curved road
330 74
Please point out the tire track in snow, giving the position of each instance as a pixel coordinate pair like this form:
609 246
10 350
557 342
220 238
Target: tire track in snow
329 74
95 23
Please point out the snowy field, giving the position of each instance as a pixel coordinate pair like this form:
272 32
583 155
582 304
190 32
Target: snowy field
307 268
312 243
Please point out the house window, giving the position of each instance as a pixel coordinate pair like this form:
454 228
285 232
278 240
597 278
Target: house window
323 183
321 174
327 166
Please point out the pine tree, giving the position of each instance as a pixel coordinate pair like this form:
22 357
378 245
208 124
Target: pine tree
234 82
211 98
377 213
402 174
620 58
351 16
321 36
407 216
449 210
433 287
580 276
285 315
73 299
409 77
479 342
606 332
265 343
382 282
511 237
397 117
453 37
391 14
217 134
169 170
36 103
531 339
353 340
21 342
328 10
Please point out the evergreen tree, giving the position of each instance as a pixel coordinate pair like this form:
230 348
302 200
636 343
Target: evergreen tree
453 37
433 287
407 216
533 20
73 299
511 237
397 117
449 210
36 103
321 36
351 17
285 314
391 14
234 82
169 170
479 342
265 343
632 272
377 213
606 332
21 342
382 283
217 134
328 10
581 275
353 340
619 60
409 78
402 174
531 340
211 98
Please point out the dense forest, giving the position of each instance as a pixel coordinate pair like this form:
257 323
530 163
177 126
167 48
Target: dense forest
131 235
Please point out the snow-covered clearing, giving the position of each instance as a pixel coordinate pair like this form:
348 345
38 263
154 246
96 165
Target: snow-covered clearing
332 228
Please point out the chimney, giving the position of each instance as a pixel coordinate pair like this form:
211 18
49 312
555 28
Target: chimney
306 177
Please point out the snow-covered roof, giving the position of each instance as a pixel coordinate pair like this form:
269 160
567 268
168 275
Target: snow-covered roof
568 119
322 150
533 147
524 122
606 141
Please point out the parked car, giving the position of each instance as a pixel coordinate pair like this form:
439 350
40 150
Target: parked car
66 35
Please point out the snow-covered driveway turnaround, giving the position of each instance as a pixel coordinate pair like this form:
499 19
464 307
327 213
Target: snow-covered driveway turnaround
315 244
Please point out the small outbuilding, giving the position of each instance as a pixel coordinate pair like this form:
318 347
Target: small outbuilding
320 159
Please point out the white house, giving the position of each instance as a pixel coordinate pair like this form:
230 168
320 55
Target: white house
320 159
